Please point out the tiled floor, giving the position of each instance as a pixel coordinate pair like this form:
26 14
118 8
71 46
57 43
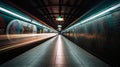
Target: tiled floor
56 52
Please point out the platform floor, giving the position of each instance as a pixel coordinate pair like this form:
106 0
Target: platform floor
56 52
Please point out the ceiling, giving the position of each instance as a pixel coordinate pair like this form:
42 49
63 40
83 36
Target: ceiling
48 10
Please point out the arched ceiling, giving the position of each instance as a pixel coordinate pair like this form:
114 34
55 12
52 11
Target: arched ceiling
48 10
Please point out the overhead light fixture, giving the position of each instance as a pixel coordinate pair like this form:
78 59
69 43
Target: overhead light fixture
59 26
59 18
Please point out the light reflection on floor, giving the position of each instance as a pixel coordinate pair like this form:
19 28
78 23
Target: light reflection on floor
60 57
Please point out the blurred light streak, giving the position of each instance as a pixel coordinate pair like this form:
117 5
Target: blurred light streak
12 36
35 38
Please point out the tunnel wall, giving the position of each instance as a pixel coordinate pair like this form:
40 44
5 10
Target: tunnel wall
11 25
15 21
101 37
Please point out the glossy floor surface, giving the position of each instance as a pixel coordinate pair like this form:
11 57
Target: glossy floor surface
56 52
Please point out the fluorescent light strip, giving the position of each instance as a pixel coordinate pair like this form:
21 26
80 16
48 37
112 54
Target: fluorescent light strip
14 14
95 16
21 17
7 11
102 13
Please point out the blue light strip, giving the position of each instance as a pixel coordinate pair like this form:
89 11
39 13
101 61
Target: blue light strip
23 18
94 16
9 12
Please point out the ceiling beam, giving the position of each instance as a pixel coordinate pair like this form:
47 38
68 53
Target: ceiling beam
56 5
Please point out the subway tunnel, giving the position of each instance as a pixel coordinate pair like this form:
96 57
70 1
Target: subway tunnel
59 33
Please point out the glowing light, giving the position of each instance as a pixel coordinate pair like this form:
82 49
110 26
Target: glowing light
59 25
59 29
59 18
102 13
